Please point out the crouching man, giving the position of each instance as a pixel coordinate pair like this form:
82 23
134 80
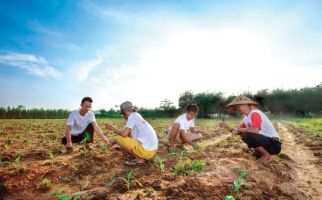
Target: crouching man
178 132
81 125
138 137
256 130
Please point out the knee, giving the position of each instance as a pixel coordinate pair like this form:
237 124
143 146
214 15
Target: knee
176 126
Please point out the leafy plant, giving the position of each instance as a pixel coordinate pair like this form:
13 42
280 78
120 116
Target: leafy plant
185 167
51 157
229 197
63 196
105 148
44 183
84 151
197 165
17 162
239 182
160 163
127 179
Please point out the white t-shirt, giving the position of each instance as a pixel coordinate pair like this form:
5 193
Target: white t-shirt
185 124
142 131
266 127
79 122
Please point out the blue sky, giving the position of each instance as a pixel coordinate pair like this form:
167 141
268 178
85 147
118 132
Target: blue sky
52 53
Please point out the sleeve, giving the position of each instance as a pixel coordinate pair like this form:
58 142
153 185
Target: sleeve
242 125
130 123
93 119
70 120
256 120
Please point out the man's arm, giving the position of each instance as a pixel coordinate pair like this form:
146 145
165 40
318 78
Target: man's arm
69 136
121 132
99 132
239 130
249 130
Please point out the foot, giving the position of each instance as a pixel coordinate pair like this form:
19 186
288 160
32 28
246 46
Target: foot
265 159
256 154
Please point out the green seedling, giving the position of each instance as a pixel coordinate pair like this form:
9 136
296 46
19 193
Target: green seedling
63 196
44 183
197 165
17 162
185 167
51 157
84 151
229 197
239 182
105 148
128 180
160 163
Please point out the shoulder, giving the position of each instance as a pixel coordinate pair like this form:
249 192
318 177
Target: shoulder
73 113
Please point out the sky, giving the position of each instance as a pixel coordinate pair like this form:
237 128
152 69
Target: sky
53 53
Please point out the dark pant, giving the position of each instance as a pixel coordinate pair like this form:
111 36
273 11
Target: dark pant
79 138
253 140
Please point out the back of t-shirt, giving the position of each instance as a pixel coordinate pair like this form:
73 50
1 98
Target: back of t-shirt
142 131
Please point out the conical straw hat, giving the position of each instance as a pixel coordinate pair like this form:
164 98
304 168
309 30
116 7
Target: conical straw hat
240 100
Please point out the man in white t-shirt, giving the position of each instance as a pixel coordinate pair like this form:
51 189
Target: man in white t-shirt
178 132
81 125
138 137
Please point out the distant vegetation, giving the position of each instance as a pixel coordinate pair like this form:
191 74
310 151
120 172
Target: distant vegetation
305 102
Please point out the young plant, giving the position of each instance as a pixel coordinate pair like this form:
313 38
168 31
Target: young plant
45 183
127 179
84 150
185 167
105 148
51 157
63 196
197 165
17 162
160 163
239 182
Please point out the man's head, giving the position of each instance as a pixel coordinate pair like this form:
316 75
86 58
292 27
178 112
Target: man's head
127 108
192 110
86 104
242 104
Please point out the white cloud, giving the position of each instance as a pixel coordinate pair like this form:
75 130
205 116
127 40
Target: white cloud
34 65
259 50
85 68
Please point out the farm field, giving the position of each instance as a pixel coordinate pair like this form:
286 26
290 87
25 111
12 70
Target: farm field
34 165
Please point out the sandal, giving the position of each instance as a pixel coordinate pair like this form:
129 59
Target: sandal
133 163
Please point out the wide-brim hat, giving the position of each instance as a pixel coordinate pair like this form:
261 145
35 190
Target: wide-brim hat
240 100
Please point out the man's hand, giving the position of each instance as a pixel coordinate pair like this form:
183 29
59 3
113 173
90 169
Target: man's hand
109 127
69 147
107 142
235 132
203 132
223 125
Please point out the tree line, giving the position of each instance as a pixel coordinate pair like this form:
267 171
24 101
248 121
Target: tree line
305 102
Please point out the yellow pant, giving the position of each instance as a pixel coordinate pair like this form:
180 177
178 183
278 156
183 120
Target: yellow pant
136 147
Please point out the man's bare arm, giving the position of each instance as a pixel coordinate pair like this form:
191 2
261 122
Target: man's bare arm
68 135
98 130
121 132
